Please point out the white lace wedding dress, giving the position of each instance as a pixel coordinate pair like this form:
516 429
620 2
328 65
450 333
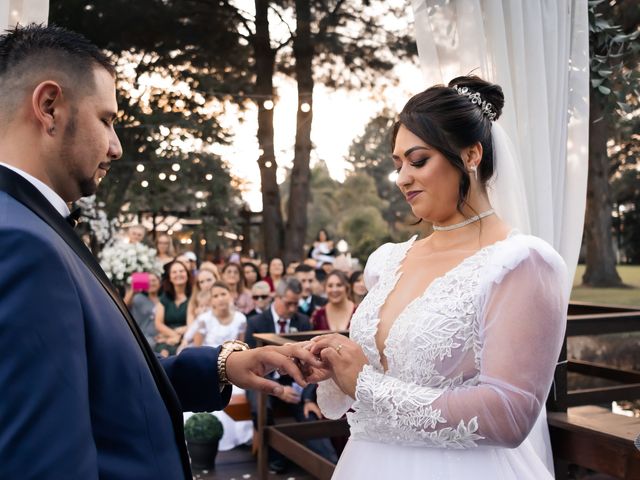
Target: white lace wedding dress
470 364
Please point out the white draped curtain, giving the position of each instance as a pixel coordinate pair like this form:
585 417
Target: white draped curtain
13 12
538 51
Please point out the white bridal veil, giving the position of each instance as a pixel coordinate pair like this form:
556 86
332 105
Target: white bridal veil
538 51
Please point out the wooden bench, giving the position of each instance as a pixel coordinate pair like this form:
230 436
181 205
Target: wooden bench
287 438
238 408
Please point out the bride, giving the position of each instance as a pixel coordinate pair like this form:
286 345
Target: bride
452 353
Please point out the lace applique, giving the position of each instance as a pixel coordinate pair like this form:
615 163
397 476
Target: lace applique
433 345
440 324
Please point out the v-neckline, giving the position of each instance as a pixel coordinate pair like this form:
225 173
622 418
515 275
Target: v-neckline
397 274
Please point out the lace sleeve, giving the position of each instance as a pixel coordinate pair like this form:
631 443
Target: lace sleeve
331 400
521 326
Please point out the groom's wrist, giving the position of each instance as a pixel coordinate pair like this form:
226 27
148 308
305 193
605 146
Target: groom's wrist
226 350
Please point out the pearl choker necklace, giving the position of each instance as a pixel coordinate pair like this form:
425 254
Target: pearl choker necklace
465 223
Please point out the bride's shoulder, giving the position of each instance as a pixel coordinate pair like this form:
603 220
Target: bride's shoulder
518 249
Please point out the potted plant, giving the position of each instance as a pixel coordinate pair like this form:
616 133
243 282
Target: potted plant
203 432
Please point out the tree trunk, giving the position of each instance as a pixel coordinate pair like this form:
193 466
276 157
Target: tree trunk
300 174
272 224
601 261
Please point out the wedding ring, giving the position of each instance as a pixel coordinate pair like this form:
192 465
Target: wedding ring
339 347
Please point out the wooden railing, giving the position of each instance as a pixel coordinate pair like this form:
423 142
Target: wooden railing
584 434
588 436
288 438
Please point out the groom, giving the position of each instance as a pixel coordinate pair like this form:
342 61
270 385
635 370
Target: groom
83 396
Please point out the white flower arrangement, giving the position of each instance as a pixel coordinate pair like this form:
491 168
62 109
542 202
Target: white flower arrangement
121 259
93 213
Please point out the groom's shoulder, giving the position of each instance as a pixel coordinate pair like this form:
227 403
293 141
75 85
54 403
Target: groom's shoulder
18 220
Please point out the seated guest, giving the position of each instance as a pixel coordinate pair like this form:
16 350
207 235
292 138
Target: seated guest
358 288
204 281
232 275
213 327
261 294
136 233
291 268
143 307
336 314
207 265
275 273
221 322
263 270
171 314
309 302
251 274
166 252
283 317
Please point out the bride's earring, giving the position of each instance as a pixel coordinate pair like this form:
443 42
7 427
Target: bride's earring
474 169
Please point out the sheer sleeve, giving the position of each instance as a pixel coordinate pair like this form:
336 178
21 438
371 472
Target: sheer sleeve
375 265
333 402
521 329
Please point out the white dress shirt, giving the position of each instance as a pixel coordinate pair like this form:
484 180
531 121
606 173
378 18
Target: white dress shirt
54 199
276 317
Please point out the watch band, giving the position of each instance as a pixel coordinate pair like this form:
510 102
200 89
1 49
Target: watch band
227 349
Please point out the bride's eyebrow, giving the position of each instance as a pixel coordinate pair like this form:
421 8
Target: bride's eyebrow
410 151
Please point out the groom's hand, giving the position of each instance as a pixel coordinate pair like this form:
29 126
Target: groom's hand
246 369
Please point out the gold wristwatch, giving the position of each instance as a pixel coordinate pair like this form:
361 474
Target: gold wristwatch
227 349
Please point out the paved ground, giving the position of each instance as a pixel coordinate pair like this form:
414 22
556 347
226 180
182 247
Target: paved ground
239 464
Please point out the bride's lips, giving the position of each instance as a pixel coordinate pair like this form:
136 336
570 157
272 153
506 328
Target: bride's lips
412 194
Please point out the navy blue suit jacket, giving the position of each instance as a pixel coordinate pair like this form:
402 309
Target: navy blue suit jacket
83 395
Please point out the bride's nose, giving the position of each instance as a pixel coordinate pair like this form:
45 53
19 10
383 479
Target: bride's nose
403 177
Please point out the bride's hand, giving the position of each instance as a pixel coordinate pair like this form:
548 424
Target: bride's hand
345 358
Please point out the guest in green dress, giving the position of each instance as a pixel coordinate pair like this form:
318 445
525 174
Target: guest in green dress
171 314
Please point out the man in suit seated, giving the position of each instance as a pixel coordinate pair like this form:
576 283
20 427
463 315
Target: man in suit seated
83 396
261 294
283 317
309 302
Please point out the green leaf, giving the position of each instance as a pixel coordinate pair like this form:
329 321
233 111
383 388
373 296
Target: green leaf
605 73
604 90
596 82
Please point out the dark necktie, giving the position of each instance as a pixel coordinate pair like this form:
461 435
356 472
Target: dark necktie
283 326
72 218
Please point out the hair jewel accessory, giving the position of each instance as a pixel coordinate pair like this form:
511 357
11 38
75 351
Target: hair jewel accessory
487 107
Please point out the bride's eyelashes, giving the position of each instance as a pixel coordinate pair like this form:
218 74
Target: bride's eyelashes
419 163
416 164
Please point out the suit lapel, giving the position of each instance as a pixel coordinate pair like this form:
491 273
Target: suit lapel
270 326
24 192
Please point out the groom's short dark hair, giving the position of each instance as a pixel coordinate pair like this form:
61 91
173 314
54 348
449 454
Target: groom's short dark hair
27 51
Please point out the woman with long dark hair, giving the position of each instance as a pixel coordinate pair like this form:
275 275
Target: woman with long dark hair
452 352
171 314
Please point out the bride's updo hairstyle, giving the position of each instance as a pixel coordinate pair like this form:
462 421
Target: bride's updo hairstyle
449 122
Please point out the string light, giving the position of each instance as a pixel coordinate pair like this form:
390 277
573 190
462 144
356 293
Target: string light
268 104
268 164
162 175
175 167
208 176
305 107
172 177
144 184
140 168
